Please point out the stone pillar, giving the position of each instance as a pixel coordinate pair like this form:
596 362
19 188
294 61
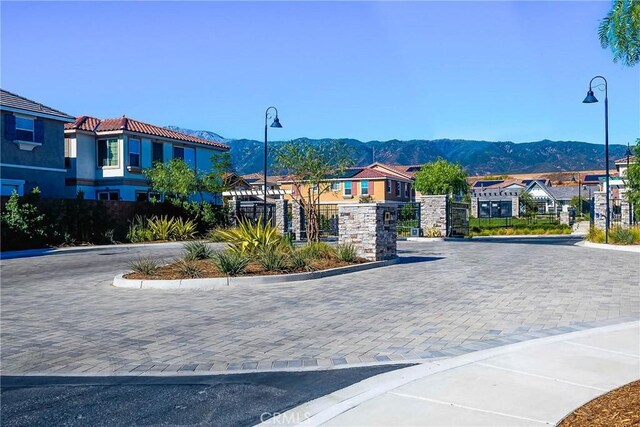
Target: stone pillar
625 209
564 216
474 207
371 228
281 215
433 214
600 208
233 206
515 206
296 221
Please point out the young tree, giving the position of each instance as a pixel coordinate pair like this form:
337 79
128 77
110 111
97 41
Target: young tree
309 166
632 180
528 205
441 177
620 31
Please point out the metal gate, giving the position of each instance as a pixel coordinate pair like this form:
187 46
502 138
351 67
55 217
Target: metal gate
408 218
457 219
328 217
253 211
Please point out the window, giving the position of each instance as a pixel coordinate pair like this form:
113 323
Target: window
187 154
398 192
108 195
25 129
67 153
364 188
145 196
335 186
134 153
347 188
406 190
107 152
389 186
157 154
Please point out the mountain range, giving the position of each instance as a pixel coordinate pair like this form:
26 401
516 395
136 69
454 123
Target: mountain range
477 157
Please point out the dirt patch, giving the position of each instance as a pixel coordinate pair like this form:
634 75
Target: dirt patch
207 269
618 408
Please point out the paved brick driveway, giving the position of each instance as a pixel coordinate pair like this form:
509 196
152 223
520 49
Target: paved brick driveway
60 314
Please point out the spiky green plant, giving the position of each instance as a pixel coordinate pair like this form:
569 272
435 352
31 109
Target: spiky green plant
138 230
190 269
231 262
346 252
144 265
318 250
298 260
184 229
275 260
251 238
161 227
197 250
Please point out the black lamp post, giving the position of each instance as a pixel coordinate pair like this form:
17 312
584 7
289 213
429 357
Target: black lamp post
590 99
275 124
579 194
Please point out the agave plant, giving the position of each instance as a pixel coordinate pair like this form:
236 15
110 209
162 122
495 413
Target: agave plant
197 250
230 262
184 229
161 227
249 238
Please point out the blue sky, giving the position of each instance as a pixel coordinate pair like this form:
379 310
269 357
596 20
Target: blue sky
367 70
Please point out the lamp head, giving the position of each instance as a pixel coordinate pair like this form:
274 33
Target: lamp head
276 123
590 99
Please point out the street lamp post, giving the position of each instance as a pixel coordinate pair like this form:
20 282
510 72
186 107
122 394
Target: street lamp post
626 174
579 194
589 100
274 124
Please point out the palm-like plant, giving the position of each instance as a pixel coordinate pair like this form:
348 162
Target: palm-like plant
620 31
251 238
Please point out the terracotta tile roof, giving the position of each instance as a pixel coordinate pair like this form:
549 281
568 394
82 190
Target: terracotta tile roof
11 100
623 161
373 173
92 124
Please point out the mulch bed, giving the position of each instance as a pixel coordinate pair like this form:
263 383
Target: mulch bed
209 270
618 408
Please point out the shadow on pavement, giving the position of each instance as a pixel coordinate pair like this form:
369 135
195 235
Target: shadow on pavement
552 240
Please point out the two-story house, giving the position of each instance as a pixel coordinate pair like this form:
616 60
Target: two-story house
32 150
105 158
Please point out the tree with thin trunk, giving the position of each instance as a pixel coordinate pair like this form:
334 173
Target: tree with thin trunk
632 180
309 166
620 31
442 177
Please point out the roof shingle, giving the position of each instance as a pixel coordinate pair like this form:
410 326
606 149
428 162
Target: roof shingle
11 100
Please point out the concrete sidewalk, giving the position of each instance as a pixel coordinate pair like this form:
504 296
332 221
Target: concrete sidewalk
532 383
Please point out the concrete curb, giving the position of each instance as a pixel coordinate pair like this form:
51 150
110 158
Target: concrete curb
325 408
220 283
609 247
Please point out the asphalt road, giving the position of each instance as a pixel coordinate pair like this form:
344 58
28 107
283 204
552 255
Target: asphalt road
221 400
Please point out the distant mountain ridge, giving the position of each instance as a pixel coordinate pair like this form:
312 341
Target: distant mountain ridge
477 157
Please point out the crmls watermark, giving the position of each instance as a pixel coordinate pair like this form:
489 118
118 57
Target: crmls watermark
284 418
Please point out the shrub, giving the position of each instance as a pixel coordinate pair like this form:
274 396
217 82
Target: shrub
190 269
433 232
138 230
595 235
197 250
318 250
249 238
231 262
215 236
298 260
622 236
23 224
162 227
184 229
273 260
346 253
145 265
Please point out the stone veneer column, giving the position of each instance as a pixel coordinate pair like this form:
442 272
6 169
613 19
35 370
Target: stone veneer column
474 207
433 213
296 220
600 208
564 216
371 228
624 209
515 206
281 215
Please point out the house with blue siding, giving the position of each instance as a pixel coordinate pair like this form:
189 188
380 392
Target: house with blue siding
105 158
32 150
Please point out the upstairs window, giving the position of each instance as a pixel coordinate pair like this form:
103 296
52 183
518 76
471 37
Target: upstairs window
398 192
347 188
134 153
25 129
364 188
389 186
108 152
187 154
157 154
335 186
406 190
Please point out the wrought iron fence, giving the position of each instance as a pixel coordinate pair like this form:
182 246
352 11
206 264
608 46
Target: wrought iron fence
254 212
328 216
526 221
408 218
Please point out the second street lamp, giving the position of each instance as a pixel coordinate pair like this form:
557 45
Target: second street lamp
274 124
590 99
